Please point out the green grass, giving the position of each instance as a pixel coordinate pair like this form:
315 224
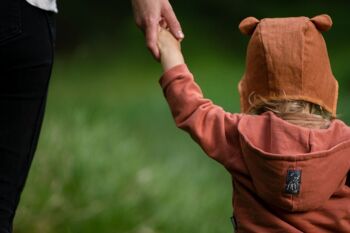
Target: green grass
111 160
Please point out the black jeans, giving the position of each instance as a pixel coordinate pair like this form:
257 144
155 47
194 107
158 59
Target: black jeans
26 58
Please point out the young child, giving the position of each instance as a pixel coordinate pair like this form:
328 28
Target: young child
287 154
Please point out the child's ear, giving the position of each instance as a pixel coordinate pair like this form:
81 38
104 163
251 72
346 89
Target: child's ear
248 25
322 22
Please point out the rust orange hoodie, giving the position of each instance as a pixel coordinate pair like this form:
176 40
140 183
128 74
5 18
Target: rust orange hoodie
286 178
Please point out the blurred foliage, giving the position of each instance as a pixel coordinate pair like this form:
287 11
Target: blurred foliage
89 26
110 159
80 21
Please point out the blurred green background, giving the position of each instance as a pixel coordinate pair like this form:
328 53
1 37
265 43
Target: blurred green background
110 158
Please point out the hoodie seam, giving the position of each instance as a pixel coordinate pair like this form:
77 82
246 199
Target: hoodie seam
265 55
302 58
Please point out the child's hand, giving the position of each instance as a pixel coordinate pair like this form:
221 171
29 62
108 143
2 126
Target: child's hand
170 50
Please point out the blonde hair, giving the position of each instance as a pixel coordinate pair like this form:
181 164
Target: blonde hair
298 112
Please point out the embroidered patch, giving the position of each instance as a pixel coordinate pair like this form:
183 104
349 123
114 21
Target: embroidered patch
293 180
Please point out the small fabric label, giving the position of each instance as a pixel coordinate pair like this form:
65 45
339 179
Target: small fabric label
293 180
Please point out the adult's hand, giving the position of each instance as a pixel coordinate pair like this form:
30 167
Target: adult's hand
148 16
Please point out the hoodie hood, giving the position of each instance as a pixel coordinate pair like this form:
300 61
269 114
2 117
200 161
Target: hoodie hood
287 59
292 167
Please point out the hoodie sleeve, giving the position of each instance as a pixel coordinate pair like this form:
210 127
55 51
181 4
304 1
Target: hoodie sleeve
209 125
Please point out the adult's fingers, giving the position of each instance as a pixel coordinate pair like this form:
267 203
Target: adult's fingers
163 23
151 33
173 23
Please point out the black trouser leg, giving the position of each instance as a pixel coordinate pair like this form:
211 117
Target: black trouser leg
26 57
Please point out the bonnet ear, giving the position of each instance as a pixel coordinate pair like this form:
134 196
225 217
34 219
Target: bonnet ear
248 25
322 22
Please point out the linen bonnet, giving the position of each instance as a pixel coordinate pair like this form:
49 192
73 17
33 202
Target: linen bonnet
287 59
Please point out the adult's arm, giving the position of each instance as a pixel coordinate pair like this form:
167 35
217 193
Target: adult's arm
149 14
